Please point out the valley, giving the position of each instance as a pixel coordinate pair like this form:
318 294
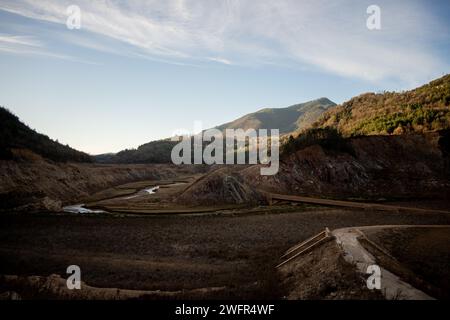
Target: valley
140 227
139 239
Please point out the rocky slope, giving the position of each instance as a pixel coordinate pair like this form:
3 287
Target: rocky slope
373 167
223 185
407 166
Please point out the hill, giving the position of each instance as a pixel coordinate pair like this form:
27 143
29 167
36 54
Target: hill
375 147
152 152
287 120
423 109
363 168
19 141
296 117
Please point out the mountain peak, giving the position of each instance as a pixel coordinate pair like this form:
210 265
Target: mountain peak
288 119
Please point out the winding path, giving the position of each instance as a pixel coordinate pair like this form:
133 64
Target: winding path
391 285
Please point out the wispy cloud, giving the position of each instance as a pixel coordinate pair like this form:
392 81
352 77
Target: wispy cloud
328 35
220 60
19 44
21 41
27 45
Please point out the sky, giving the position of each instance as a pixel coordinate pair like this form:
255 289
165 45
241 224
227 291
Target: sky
137 71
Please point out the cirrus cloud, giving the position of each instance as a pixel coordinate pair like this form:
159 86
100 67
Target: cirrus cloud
326 35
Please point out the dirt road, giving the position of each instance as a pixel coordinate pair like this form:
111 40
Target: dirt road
349 204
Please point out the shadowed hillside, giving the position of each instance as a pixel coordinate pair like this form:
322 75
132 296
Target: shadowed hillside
19 141
152 152
414 166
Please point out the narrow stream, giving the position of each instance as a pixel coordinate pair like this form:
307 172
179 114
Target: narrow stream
151 190
79 208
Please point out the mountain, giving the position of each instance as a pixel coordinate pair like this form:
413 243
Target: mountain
19 141
388 146
426 108
288 119
296 117
423 109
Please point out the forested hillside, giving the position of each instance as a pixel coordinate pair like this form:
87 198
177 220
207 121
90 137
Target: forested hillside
19 141
423 109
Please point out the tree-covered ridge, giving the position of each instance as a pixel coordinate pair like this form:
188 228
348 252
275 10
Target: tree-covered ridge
426 108
153 152
16 137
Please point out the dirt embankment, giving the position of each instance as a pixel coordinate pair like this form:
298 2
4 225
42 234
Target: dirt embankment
54 287
43 185
223 185
372 167
408 166
324 274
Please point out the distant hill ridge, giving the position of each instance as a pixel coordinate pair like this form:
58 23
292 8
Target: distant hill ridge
18 140
426 108
295 117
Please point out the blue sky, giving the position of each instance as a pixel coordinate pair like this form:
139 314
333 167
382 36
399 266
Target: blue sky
137 71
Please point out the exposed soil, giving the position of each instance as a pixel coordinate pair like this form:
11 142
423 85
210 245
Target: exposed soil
324 274
42 185
172 253
235 250
375 168
389 167
54 287
222 185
